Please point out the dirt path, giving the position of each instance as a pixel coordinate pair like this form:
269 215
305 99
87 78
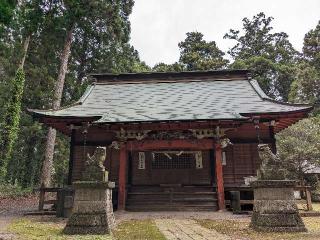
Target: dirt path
11 209
4 223
178 229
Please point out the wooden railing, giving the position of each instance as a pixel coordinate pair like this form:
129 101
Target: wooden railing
306 190
42 196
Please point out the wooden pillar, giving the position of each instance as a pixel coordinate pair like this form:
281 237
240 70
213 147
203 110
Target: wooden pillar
308 199
219 177
273 139
71 156
122 177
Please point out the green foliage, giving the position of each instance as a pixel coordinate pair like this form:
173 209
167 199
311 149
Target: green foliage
14 191
6 12
270 56
197 54
100 44
306 86
299 147
11 121
162 67
311 47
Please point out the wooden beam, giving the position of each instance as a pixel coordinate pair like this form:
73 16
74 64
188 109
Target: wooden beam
219 177
93 143
175 125
122 177
71 156
249 140
197 144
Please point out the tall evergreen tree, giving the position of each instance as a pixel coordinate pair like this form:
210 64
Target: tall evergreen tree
105 52
270 56
195 54
109 25
306 87
27 15
198 54
311 47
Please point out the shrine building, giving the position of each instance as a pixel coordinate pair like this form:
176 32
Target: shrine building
175 141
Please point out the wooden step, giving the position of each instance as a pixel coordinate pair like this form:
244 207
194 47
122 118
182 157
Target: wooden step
171 198
166 196
176 189
173 203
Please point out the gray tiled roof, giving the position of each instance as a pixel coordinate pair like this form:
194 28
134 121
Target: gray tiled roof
160 101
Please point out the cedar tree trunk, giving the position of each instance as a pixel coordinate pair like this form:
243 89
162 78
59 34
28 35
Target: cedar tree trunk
47 166
25 51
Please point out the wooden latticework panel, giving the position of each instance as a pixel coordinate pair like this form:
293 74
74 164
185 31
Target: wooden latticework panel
173 160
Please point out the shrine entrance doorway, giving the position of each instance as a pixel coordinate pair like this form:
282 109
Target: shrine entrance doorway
179 167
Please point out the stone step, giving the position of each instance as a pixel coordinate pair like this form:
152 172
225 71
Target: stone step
178 207
173 202
40 213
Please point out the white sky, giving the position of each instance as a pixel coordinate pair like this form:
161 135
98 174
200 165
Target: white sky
158 25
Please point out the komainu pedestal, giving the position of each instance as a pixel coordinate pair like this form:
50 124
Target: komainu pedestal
275 209
92 211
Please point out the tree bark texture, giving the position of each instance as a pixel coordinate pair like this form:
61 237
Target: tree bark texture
47 166
25 51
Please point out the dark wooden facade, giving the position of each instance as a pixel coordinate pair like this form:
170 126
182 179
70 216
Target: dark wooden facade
183 181
241 160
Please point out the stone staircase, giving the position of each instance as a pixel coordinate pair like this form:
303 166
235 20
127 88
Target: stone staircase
171 198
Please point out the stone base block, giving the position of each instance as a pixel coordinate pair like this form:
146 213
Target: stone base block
276 220
80 223
92 210
73 230
275 206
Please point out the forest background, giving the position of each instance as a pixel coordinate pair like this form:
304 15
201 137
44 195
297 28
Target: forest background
48 48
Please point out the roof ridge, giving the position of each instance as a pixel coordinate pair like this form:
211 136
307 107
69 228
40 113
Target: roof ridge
167 81
147 76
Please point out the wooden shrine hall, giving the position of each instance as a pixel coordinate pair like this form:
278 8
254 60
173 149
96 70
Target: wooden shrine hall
175 141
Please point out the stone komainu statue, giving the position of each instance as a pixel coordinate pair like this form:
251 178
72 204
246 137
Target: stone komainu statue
270 168
94 168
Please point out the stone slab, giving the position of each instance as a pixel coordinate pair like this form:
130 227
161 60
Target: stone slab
186 229
273 194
